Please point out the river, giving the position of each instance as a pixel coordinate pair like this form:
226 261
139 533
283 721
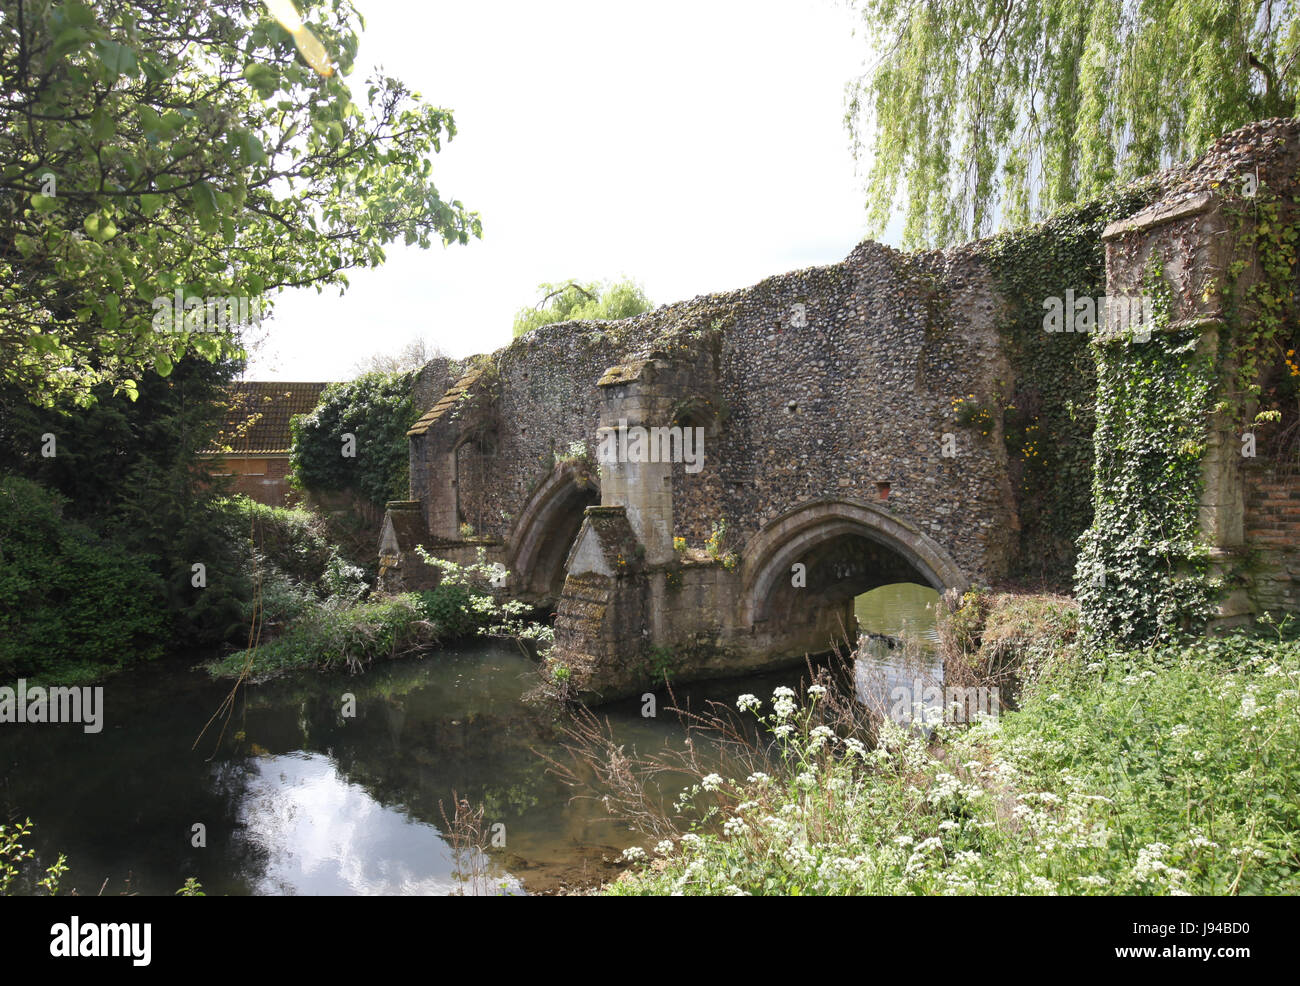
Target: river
294 797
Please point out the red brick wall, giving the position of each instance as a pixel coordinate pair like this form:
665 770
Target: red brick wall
1272 529
271 488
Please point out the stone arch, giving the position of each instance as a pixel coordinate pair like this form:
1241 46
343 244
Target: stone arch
767 559
542 536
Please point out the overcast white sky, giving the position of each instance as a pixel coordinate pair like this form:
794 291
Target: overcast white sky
694 145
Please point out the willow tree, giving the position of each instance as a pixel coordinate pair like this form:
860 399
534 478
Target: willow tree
594 300
995 112
165 149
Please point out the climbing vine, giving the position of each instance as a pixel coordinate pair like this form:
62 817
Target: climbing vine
1047 410
1263 338
1142 573
375 410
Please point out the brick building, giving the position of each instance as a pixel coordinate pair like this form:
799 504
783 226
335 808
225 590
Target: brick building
253 444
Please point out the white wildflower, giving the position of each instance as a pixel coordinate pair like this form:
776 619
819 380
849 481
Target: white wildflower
1248 707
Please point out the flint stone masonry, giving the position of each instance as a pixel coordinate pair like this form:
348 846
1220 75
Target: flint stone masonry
825 396
814 390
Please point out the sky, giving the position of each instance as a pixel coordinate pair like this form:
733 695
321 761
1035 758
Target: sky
693 146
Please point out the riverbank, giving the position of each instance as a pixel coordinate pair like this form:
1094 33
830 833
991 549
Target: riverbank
1169 770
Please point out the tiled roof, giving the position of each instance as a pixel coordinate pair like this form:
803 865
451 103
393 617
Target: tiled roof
257 419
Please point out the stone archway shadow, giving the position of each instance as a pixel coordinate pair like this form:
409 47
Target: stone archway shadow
534 548
770 553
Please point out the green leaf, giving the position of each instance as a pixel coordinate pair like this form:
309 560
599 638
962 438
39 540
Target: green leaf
99 227
118 59
204 198
69 40
102 127
262 78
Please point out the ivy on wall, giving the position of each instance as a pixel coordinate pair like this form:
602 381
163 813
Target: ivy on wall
1261 347
1142 573
376 410
1047 412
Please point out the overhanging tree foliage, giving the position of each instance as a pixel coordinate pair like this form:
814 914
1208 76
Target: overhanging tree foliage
165 148
1011 109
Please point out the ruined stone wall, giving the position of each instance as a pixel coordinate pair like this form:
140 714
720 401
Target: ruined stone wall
834 381
839 381
1193 511
546 402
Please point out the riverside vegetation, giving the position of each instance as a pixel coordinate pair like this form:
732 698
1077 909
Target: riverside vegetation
316 609
1163 770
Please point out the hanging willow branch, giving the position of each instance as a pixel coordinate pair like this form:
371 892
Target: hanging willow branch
978 114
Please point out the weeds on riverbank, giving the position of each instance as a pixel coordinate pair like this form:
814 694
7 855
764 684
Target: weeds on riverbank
1000 640
337 639
344 632
1165 771
22 872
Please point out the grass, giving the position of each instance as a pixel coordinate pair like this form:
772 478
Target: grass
1164 771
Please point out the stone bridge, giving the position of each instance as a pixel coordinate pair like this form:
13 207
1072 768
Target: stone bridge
831 463
821 398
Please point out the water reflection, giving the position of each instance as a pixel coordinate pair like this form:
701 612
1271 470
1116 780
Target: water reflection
295 798
898 659
322 834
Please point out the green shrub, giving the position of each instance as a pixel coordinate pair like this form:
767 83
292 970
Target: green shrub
75 604
448 607
1002 640
342 582
17 862
289 552
595 300
294 540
